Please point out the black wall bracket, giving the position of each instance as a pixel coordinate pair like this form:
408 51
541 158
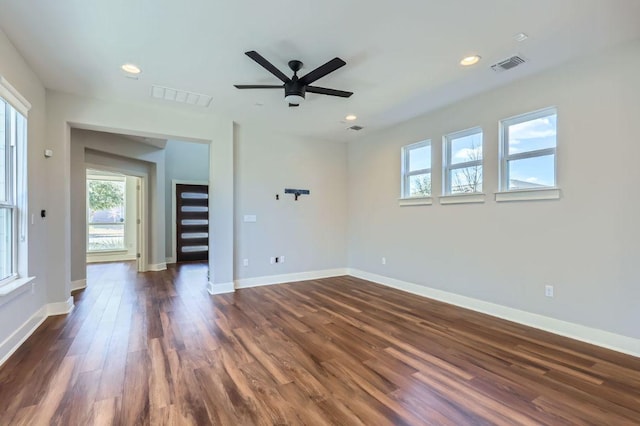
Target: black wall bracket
296 192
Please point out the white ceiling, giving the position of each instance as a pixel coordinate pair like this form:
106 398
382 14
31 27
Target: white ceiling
402 56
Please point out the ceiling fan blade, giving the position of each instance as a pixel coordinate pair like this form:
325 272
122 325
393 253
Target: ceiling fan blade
330 92
323 70
258 86
267 65
294 105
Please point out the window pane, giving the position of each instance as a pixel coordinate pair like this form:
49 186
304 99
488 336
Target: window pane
420 158
465 180
420 185
536 172
106 237
4 132
6 247
466 148
106 201
532 135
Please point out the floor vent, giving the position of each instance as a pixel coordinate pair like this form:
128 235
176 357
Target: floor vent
180 96
508 63
356 128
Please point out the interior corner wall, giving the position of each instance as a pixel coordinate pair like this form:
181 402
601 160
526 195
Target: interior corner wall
187 161
119 153
311 232
20 312
66 111
586 244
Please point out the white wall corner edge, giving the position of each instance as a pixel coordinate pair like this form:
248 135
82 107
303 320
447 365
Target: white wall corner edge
220 288
60 308
594 336
18 337
78 284
288 278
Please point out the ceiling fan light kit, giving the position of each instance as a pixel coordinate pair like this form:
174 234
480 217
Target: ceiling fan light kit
296 88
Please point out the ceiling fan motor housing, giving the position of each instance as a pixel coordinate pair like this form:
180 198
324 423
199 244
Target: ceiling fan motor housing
294 87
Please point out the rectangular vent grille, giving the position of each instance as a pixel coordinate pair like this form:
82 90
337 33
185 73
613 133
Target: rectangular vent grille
180 96
508 64
356 128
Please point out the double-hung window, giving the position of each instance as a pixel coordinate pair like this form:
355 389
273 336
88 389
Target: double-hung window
528 151
13 134
462 168
416 170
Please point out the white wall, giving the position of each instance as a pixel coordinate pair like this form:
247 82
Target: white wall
20 312
586 244
310 232
124 155
188 161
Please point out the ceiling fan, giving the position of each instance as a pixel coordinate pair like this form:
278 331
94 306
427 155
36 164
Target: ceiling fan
296 87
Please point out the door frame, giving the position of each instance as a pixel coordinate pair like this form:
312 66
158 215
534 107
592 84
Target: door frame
174 182
142 210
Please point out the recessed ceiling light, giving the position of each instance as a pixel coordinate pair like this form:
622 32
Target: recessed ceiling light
470 60
131 69
520 37
350 117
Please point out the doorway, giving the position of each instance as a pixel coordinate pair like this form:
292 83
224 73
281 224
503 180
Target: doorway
114 214
192 222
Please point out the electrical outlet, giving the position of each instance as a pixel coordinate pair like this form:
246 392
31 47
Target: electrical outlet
384 260
245 262
273 260
548 290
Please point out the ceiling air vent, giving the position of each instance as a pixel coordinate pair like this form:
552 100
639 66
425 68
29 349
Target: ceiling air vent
180 96
356 128
508 63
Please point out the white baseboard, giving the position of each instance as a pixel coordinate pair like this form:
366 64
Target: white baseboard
287 278
78 284
60 308
583 333
170 260
155 267
220 288
18 337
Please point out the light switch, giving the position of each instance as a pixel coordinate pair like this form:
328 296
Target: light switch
250 218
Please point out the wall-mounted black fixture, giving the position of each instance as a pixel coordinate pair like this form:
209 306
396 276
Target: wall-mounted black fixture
297 192
277 196
43 213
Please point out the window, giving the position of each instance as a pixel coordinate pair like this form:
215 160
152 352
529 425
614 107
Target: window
416 170
13 134
463 162
106 213
528 151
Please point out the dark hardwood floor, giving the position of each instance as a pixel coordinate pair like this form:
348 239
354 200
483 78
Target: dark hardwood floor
155 348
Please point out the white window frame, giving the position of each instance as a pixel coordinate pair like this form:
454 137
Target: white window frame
16 183
406 174
113 178
504 149
448 167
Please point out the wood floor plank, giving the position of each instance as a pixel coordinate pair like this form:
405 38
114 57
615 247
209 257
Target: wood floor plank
156 348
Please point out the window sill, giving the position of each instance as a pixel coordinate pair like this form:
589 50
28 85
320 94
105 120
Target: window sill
99 252
528 194
476 197
14 288
415 201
